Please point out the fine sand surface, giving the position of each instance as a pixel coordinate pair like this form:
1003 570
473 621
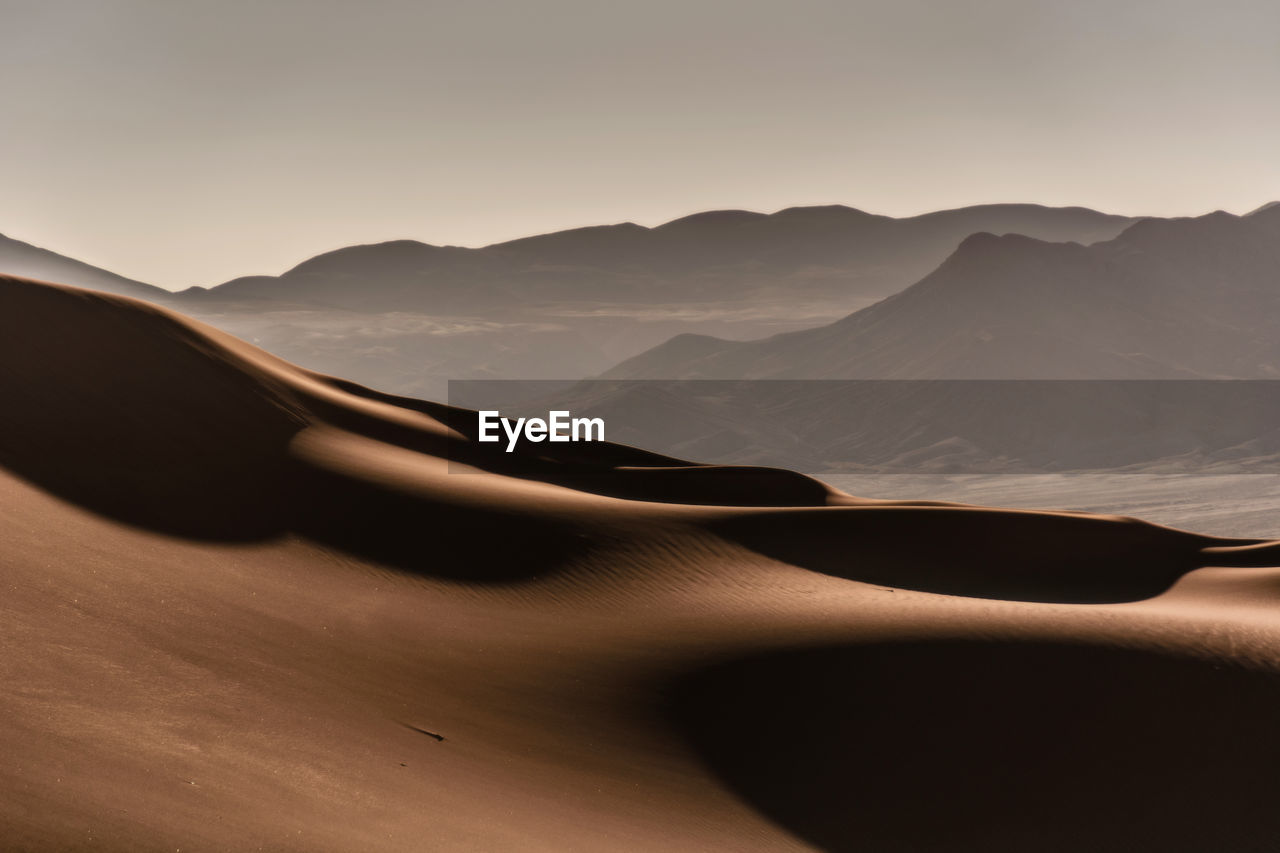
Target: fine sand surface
250 607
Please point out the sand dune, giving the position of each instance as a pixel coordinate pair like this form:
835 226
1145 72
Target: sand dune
249 606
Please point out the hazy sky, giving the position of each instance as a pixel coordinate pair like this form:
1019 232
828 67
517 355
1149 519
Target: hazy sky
187 142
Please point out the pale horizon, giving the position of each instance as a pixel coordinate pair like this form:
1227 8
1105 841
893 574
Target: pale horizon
189 145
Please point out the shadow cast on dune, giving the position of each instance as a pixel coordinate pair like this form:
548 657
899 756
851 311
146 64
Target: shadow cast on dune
138 416
118 407
984 746
987 553
428 537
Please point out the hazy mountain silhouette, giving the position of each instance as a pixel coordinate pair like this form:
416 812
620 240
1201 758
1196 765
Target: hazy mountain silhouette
1168 298
23 259
407 316
828 252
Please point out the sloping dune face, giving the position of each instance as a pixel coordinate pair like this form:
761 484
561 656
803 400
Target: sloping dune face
248 606
1011 746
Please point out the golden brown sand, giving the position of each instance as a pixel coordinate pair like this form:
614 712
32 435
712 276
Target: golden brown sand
250 607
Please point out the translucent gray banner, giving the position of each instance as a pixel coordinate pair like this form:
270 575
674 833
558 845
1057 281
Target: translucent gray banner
918 426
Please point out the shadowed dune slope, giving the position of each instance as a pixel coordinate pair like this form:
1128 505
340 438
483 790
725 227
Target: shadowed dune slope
937 745
248 606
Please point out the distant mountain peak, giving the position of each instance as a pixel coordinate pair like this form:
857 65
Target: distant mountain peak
822 209
353 258
713 217
572 236
979 239
983 243
985 264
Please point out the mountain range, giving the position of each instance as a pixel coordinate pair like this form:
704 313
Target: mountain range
1166 299
833 252
408 317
